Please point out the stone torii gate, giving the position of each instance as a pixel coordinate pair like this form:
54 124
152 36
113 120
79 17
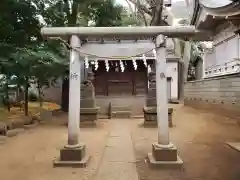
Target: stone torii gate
163 151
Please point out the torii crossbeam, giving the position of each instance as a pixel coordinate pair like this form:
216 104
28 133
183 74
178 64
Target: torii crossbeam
164 152
133 32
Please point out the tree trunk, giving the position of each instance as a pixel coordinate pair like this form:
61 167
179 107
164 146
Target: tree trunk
72 17
26 96
39 94
7 97
157 14
20 95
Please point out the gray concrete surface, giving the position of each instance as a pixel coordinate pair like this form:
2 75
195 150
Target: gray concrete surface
118 160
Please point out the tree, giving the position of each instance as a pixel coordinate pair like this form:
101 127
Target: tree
30 59
79 13
46 71
15 17
152 9
22 45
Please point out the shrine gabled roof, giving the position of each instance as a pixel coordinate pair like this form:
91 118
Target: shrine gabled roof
221 7
207 14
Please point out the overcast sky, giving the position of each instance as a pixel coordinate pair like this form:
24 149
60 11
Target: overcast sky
215 3
124 1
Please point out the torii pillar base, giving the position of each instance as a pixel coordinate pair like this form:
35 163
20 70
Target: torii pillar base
164 157
72 157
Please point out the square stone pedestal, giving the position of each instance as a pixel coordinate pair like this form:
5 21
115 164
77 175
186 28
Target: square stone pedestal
72 157
150 116
164 157
89 114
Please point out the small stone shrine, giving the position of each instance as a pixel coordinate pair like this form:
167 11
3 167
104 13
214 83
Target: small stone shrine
150 109
88 109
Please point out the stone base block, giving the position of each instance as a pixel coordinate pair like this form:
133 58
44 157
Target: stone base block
121 114
89 114
151 119
30 126
3 128
150 116
72 157
153 110
14 132
18 124
164 157
88 117
164 164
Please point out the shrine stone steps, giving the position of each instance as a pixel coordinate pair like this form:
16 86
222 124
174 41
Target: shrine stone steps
120 112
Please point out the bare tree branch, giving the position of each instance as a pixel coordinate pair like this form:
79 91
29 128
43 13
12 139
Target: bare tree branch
130 7
141 13
141 7
151 3
144 17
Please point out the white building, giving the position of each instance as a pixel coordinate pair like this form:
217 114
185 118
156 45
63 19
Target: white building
221 62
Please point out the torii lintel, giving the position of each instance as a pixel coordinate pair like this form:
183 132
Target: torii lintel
119 32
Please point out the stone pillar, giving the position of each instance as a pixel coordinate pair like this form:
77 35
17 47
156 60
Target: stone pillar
73 154
74 93
150 109
161 93
164 153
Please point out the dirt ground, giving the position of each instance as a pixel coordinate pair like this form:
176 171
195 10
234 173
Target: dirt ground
17 113
199 136
29 155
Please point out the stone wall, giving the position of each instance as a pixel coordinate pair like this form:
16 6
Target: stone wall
221 94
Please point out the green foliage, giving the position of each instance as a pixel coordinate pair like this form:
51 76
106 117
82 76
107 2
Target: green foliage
23 53
106 13
26 56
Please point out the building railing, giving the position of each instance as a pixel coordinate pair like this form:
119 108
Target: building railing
231 67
